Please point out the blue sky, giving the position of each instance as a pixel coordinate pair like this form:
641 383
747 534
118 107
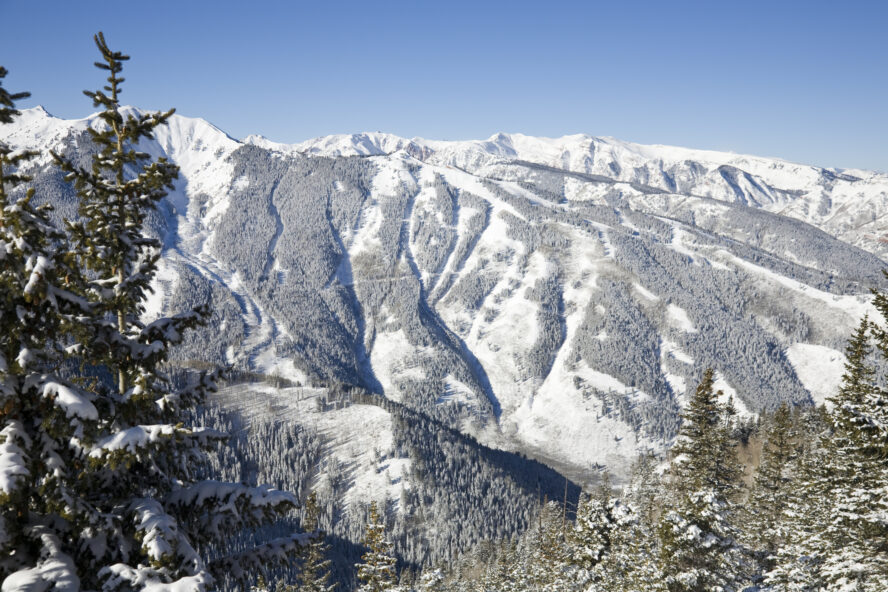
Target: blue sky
804 81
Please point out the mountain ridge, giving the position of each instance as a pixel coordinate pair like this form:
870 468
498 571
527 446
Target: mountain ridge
557 297
378 140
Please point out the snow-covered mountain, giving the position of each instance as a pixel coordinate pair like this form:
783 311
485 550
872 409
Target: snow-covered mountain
558 297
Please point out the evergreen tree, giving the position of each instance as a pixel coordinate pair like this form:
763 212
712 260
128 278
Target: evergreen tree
314 575
794 565
110 244
502 575
377 567
100 488
764 524
698 548
613 546
546 559
855 539
598 519
645 490
595 541
431 580
45 421
825 515
636 550
633 563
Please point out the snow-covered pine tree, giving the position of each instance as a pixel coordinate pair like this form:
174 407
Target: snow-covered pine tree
633 560
431 580
111 501
598 518
637 545
698 540
794 565
613 547
645 489
314 574
377 568
45 421
502 575
764 523
544 558
855 537
594 540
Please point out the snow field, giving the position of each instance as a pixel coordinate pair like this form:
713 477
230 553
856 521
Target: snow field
819 368
357 436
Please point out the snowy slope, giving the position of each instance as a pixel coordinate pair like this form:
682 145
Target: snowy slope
558 297
356 437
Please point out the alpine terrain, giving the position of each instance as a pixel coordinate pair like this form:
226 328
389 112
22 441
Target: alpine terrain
554 297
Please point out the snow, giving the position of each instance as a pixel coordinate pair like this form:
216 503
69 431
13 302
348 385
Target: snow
146 579
456 391
54 571
389 351
678 318
818 367
730 393
13 463
671 349
230 495
679 386
365 238
645 293
138 437
36 129
850 194
763 179
678 244
159 529
268 362
133 438
162 286
670 353
196 583
475 185
37 272
556 422
241 183
362 144
567 430
501 344
853 306
25 357
74 404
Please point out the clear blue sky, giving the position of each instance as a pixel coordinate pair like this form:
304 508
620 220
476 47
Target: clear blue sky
805 81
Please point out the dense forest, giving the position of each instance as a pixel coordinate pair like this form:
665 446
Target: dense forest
117 474
793 502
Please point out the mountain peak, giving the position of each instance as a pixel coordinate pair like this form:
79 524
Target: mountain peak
38 110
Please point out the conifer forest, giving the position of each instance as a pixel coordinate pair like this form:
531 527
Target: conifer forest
333 418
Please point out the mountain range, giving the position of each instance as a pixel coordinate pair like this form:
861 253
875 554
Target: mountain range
557 298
